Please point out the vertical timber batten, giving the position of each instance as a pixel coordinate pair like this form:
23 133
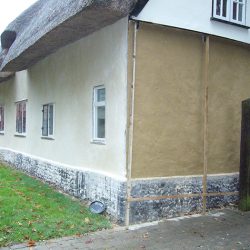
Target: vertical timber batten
206 48
131 126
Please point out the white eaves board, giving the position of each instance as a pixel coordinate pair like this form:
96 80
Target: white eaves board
193 15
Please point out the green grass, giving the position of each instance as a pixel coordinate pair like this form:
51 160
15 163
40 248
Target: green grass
32 210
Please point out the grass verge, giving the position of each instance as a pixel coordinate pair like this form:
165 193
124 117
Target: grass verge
31 211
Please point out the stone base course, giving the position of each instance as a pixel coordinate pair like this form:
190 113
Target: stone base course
79 183
149 206
151 210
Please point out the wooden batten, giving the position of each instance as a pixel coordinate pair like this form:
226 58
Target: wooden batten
180 196
131 126
205 128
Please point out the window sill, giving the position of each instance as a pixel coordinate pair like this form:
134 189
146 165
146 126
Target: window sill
228 22
2 132
48 138
100 142
19 135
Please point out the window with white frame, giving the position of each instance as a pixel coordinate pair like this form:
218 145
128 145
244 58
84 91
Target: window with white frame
230 10
1 118
21 117
48 120
99 120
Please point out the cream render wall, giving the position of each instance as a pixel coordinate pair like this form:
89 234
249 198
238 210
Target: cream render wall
67 78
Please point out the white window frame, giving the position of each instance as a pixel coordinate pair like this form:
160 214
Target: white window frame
22 133
220 16
243 22
49 135
2 118
229 9
97 104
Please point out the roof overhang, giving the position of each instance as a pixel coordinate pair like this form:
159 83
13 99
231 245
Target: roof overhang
4 76
51 24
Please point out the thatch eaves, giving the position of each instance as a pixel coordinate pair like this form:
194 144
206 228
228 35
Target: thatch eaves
51 24
5 76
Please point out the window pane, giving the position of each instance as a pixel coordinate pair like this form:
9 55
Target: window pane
19 118
240 12
1 129
101 95
24 117
45 121
51 111
101 122
224 9
1 118
234 10
17 113
218 6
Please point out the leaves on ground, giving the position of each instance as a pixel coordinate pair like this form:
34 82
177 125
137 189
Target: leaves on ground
33 211
89 241
31 243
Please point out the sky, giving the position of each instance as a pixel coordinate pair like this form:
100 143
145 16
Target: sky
10 9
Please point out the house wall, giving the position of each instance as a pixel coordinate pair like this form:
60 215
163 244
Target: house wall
168 121
229 85
193 15
66 78
168 143
169 110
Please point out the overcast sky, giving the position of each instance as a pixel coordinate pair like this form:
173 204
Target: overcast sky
10 9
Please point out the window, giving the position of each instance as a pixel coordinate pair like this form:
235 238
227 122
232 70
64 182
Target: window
21 117
1 119
230 10
99 114
48 120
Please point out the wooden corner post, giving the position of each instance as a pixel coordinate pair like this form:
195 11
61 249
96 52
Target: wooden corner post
244 203
131 127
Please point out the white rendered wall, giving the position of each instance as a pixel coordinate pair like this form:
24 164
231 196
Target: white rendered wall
67 78
193 15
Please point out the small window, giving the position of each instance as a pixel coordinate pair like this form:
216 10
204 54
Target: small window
21 117
99 114
221 9
1 119
230 10
238 11
48 120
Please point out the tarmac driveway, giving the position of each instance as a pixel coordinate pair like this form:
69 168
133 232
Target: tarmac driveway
221 229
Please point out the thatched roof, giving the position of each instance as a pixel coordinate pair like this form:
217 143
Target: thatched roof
50 24
4 76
